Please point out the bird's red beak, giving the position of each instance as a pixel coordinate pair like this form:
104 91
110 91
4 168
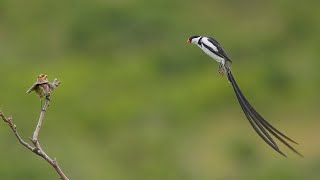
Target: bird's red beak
188 41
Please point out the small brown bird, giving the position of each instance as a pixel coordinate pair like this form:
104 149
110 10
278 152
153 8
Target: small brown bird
41 87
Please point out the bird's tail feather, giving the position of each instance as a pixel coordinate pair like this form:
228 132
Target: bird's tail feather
260 125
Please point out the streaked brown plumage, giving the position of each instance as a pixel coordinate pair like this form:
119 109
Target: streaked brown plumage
41 87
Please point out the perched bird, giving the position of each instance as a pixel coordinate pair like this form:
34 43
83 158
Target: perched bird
213 48
41 86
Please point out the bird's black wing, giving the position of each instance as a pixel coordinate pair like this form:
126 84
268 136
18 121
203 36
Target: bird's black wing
220 50
260 125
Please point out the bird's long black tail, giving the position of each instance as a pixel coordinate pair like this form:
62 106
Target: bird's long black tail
260 125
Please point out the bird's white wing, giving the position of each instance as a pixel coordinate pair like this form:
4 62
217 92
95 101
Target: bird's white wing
219 49
211 45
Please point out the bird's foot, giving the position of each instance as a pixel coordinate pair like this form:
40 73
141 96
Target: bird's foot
221 69
221 73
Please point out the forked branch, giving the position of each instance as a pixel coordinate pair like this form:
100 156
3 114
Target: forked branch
36 148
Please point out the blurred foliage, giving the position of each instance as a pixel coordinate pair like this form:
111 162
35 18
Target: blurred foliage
137 102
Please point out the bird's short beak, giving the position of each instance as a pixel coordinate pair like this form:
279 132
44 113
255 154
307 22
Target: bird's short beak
188 41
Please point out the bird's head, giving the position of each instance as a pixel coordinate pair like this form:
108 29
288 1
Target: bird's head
193 39
42 77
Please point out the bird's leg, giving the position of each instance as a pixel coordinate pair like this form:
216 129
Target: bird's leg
47 98
40 103
221 69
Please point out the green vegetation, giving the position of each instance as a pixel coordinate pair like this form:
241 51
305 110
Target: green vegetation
138 103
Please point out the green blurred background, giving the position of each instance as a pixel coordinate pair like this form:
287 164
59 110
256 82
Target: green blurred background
138 103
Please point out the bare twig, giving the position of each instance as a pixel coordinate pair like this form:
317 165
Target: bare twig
43 111
13 127
37 148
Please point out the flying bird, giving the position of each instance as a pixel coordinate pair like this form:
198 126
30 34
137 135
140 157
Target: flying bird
263 128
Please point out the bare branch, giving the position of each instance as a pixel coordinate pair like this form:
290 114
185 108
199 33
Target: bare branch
37 147
13 127
43 111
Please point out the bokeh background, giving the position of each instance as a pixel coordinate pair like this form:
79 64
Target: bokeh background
138 103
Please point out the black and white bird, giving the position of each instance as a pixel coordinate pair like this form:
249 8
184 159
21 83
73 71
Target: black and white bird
213 48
